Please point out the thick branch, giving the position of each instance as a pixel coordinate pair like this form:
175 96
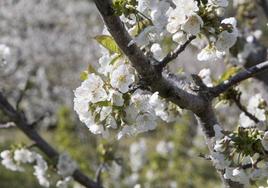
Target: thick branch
174 54
23 125
165 83
239 77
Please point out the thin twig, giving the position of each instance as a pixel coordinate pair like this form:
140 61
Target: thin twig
239 77
237 101
22 93
174 54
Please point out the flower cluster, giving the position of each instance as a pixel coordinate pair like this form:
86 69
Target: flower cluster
241 154
13 160
107 99
153 22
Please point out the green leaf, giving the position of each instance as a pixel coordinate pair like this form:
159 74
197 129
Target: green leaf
108 42
140 26
83 75
103 103
228 73
115 59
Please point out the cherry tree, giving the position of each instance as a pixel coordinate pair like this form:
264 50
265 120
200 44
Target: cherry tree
133 89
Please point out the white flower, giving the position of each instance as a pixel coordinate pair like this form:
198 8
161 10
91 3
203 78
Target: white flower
40 171
220 161
97 129
24 156
193 24
4 54
158 12
237 175
126 130
66 166
179 37
105 111
177 16
205 75
116 97
264 141
226 39
122 77
157 51
145 122
209 53
160 107
8 162
91 90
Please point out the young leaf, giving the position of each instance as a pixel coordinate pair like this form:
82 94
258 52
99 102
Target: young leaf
108 42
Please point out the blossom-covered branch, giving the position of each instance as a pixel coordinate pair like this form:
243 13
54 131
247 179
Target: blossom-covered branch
25 127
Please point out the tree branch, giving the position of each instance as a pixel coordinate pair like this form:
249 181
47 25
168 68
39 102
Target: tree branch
237 101
174 54
168 85
25 127
164 82
239 77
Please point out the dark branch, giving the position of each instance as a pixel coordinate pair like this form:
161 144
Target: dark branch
174 54
237 101
25 127
239 77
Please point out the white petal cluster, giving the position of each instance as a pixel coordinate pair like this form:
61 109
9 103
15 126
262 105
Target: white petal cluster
104 102
7 161
122 77
205 75
225 40
184 14
14 160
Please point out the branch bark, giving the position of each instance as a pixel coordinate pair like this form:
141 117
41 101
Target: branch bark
25 127
173 55
239 77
